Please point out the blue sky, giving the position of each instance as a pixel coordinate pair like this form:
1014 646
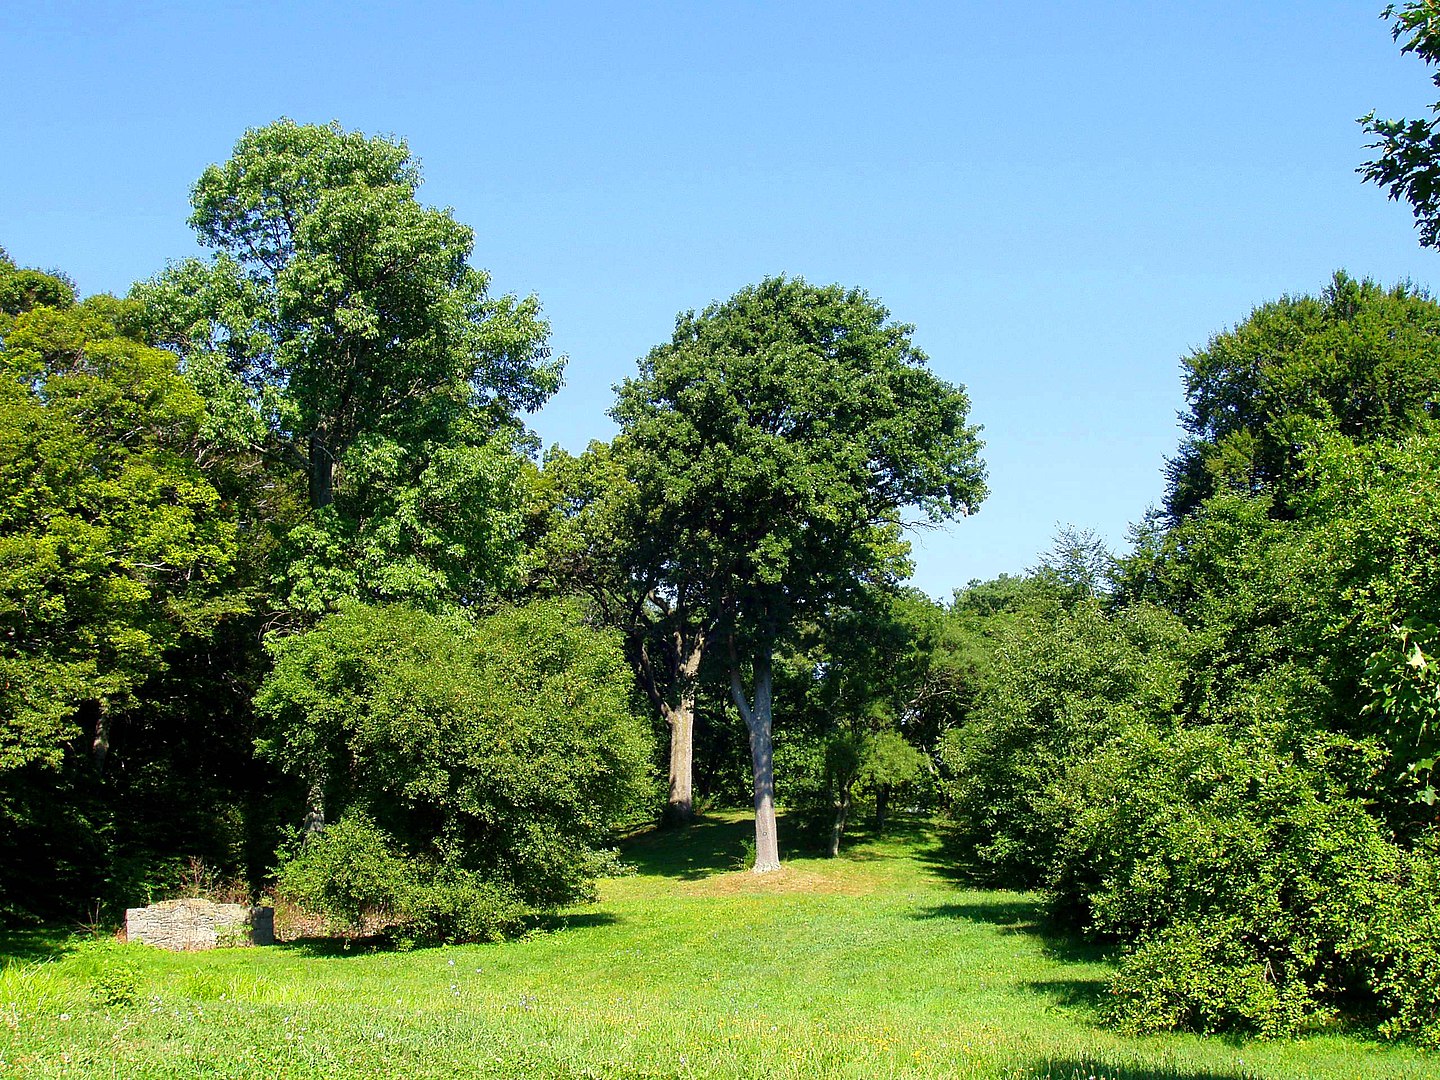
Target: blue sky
1064 199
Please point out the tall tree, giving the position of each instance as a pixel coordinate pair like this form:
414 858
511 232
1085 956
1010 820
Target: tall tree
596 535
1359 359
778 436
340 328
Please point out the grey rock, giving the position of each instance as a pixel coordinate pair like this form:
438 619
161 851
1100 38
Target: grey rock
184 925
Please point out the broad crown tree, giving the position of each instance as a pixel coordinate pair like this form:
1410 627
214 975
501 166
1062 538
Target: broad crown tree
340 328
779 436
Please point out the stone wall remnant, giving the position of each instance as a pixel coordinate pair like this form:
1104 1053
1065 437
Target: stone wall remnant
192 923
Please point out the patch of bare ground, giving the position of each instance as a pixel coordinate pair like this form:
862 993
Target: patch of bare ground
788 879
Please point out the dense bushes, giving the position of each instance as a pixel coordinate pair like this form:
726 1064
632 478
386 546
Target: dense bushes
1225 766
497 755
1247 883
355 874
1245 879
1063 686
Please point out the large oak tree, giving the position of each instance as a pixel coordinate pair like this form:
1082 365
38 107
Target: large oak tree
777 438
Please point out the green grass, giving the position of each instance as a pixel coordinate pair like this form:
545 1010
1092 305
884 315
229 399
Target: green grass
873 965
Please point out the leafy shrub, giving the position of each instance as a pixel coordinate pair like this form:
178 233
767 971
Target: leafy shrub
1061 688
1205 976
349 873
505 746
455 906
1251 891
354 874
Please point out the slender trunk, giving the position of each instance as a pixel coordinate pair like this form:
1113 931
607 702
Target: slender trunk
100 744
840 814
762 755
322 474
314 808
882 804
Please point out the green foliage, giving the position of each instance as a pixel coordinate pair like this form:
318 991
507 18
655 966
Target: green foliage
1408 164
1360 360
341 331
23 290
349 873
1229 861
452 905
779 433
436 526
1407 694
1203 976
1062 688
890 761
114 546
506 747
1401 948
356 875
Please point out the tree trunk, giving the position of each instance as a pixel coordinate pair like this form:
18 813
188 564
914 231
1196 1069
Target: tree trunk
840 814
314 809
100 744
882 804
680 808
762 755
322 474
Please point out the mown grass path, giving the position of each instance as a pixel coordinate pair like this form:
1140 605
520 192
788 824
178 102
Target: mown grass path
873 965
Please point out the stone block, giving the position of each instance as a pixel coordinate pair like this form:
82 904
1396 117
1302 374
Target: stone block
184 925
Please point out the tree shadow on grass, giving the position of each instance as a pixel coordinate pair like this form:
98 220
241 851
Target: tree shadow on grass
580 920
34 946
337 947
1023 915
1086 1068
708 846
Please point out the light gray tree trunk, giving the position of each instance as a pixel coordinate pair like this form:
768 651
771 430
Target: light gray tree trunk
762 754
841 812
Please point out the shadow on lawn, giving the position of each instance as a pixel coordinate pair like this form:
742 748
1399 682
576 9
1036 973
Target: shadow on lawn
368 945
337 947
1100 1069
709 846
580 920
33 946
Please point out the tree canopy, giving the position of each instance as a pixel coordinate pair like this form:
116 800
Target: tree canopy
1359 359
779 435
340 329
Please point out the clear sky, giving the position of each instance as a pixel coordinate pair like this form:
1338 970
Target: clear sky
1063 198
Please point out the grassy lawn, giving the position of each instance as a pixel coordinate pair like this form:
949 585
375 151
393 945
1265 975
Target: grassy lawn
873 965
